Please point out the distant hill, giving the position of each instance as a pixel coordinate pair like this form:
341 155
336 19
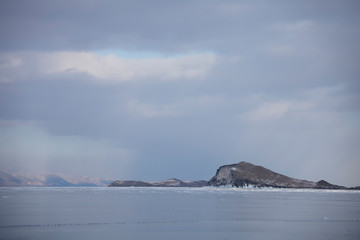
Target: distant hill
23 179
173 182
246 174
241 174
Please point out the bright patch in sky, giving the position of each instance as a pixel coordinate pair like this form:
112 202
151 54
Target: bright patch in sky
129 54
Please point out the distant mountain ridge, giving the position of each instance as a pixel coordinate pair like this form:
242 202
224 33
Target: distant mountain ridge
246 174
23 179
241 174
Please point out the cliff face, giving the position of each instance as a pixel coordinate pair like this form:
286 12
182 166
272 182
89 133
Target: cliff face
245 174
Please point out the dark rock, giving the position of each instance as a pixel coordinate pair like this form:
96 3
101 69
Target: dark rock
119 183
322 184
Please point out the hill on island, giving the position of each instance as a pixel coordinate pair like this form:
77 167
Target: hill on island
241 174
246 174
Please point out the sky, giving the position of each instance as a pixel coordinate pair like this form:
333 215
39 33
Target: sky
150 90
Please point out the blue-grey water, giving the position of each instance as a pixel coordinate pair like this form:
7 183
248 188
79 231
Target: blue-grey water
178 213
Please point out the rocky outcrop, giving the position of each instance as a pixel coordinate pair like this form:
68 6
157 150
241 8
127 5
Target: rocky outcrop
173 182
246 174
322 184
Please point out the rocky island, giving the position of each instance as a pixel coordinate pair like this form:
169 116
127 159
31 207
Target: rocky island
241 174
246 174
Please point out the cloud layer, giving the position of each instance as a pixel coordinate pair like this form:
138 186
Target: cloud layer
106 69
156 90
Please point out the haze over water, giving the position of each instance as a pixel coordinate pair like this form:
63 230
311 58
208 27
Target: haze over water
178 213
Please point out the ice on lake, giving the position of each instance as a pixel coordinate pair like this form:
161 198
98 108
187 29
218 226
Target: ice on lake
178 213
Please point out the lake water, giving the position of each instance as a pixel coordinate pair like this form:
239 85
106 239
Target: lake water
178 213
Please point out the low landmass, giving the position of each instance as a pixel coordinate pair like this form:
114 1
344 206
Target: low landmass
241 174
25 179
173 182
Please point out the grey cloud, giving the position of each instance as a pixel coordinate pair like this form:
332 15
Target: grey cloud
284 91
159 25
106 69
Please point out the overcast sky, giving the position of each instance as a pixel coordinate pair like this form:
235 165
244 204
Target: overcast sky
150 90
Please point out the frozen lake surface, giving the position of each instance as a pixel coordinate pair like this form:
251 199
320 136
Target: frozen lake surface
178 213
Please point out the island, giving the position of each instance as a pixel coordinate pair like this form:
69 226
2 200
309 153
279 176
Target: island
173 182
245 174
240 175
